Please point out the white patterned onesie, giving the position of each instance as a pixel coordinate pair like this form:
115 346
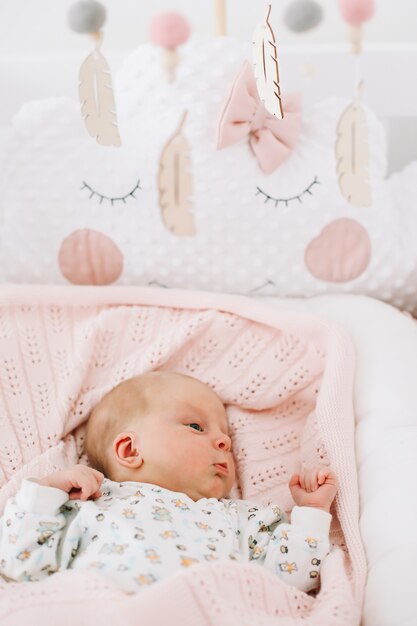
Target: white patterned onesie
138 533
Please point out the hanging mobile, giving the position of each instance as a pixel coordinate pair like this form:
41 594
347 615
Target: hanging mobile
352 143
220 16
302 15
265 64
175 183
98 107
169 31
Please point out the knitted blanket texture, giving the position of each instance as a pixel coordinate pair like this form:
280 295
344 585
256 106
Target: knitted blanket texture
286 380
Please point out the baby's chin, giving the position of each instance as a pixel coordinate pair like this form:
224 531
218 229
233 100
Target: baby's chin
217 491
213 487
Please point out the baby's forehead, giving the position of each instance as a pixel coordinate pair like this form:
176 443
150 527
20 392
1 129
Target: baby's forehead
181 387
178 391
213 413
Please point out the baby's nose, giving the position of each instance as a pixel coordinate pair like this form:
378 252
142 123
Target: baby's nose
224 442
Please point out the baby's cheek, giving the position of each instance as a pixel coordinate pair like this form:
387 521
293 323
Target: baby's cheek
191 458
231 477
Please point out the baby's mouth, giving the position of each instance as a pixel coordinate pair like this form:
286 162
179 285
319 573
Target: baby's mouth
222 468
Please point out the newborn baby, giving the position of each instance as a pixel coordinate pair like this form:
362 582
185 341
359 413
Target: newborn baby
162 441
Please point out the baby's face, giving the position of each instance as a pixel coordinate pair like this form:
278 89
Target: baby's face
185 441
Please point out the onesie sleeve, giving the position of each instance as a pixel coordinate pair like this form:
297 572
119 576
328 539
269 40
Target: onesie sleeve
293 551
255 527
31 531
296 551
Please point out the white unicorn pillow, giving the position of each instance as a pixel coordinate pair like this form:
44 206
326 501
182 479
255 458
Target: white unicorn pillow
77 211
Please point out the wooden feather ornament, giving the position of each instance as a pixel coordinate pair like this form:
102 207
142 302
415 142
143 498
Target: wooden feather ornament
265 63
98 107
175 184
352 153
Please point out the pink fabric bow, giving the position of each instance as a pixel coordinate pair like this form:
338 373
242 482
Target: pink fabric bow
270 139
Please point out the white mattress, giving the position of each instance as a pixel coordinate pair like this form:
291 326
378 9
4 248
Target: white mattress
385 398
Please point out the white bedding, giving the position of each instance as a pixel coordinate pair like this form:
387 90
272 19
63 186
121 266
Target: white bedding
385 399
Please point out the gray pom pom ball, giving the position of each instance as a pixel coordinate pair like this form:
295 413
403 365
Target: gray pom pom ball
302 15
87 17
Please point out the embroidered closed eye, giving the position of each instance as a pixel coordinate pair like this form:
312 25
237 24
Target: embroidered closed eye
286 201
108 198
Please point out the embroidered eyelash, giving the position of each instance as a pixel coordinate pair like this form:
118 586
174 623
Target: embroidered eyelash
112 200
259 287
287 200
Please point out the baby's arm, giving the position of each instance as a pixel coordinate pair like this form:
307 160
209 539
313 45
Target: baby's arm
32 525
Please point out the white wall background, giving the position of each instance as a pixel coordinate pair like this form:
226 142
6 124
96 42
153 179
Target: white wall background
41 25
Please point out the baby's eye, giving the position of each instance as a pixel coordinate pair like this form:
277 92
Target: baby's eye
196 426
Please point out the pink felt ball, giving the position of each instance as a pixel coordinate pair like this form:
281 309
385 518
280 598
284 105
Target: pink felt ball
169 30
355 12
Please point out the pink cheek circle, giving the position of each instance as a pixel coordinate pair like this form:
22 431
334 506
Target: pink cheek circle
87 257
340 253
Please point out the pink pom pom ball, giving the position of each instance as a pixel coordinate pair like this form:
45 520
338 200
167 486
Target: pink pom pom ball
169 30
355 12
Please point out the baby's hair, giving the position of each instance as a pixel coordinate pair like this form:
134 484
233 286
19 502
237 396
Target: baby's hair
120 410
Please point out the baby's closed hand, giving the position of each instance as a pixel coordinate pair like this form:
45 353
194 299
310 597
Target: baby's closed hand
79 481
316 487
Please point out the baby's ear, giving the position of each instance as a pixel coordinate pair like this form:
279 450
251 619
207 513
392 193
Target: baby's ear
126 450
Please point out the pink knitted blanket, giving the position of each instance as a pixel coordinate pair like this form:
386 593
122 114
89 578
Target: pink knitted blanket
286 380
